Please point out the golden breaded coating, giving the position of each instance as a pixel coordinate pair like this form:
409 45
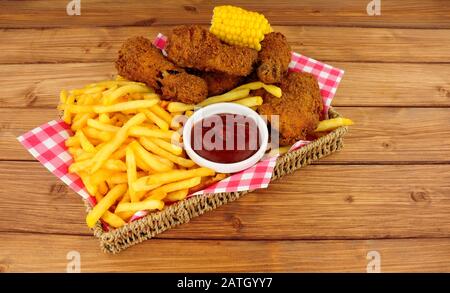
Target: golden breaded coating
274 58
300 107
219 83
140 61
181 85
195 47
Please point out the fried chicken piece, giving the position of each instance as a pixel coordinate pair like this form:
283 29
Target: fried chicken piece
274 58
299 107
140 61
218 83
195 47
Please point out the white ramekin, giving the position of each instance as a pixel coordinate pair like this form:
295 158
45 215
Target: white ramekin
225 108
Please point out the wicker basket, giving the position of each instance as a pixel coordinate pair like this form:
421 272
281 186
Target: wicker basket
181 212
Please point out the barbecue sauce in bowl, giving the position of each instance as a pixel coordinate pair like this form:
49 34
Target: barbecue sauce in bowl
225 138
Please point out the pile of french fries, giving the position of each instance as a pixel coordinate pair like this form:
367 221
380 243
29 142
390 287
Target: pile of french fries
126 150
127 146
239 95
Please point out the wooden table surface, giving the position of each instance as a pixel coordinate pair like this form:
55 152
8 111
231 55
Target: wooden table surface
387 191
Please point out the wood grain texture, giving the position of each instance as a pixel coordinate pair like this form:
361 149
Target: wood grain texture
378 202
388 190
379 134
364 84
38 253
322 43
397 13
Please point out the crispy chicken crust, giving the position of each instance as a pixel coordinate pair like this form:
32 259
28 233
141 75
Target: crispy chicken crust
274 58
140 61
218 83
299 108
195 47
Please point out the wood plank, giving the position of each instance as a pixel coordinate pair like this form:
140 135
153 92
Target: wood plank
322 43
412 13
379 135
378 202
20 252
364 84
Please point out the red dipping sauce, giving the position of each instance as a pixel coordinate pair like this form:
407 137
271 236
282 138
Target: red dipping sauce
225 138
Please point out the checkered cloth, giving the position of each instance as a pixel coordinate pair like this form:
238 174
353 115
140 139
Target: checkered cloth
46 142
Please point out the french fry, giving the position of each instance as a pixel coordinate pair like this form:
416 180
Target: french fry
102 126
189 113
226 97
272 89
177 175
142 165
131 172
63 96
104 118
139 131
165 161
149 159
101 207
174 149
177 195
76 152
158 110
98 196
82 121
80 166
84 156
91 188
113 220
179 107
141 184
67 116
160 192
103 188
99 176
76 108
86 145
97 134
139 206
251 86
123 90
73 141
156 119
102 155
279 151
150 146
331 124
207 182
86 91
120 153
250 101
124 215
115 165
132 105
119 178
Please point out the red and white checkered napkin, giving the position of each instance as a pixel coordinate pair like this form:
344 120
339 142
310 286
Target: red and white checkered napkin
46 142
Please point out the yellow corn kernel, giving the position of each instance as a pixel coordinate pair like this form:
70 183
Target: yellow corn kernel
237 26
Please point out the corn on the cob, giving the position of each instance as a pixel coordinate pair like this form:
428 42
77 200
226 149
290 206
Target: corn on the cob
237 26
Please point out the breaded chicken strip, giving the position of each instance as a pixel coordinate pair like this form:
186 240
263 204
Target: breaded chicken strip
195 47
140 61
299 108
218 83
274 58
